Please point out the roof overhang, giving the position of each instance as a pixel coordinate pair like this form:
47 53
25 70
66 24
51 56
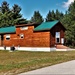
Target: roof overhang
7 30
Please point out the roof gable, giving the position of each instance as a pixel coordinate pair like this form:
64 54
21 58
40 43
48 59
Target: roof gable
10 29
46 26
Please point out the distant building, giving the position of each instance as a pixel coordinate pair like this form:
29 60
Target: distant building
45 36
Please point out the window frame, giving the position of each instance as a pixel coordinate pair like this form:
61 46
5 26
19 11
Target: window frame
21 35
7 36
24 28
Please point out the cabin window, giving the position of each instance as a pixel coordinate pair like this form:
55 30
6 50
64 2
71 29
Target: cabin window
21 36
7 37
24 28
57 37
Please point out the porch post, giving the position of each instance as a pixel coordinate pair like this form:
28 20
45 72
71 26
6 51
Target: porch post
1 40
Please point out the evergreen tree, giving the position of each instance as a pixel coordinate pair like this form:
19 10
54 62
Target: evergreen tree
11 16
37 18
16 10
57 15
53 15
69 22
49 16
5 7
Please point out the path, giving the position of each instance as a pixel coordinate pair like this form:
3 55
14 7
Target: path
63 68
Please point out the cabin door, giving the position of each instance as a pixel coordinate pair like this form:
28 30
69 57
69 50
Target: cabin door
57 37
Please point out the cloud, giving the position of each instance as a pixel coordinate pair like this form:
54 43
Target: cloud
66 4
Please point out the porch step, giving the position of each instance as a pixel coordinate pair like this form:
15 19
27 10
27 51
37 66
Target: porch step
62 47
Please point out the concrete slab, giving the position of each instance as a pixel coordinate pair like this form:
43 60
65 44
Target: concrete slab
59 69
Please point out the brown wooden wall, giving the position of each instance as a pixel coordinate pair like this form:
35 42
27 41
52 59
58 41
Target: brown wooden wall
34 39
31 39
56 28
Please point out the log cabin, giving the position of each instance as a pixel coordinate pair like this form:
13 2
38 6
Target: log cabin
33 37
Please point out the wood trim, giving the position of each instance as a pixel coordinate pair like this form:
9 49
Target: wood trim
30 24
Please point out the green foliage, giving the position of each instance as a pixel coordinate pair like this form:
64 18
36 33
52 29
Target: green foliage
11 16
5 7
51 16
21 21
69 22
37 18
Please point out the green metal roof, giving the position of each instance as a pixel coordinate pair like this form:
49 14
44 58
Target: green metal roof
46 25
10 29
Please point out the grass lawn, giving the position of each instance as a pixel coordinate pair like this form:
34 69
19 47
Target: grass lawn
20 61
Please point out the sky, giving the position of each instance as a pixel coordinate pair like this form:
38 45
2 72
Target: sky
43 6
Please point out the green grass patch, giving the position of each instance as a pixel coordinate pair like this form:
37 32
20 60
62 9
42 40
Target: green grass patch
21 61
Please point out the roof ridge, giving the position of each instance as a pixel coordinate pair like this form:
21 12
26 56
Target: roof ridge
51 21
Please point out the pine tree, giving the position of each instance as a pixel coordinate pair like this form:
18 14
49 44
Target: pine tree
53 15
37 18
49 17
11 16
57 15
16 10
69 22
5 7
